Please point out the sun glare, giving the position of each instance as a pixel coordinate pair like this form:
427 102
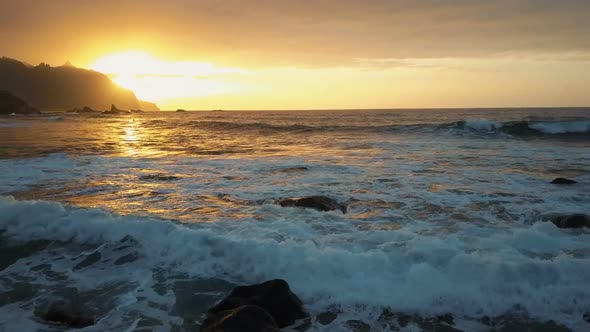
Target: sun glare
155 80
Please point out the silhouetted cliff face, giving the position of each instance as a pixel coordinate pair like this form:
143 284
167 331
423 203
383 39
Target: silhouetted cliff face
148 106
65 87
10 104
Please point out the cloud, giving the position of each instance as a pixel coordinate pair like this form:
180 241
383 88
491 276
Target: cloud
307 33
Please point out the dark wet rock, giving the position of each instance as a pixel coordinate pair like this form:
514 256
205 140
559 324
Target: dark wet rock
274 296
72 319
518 325
571 221
87 109
180 110
128 239
358 326
295 169
12 252
89 260
129 258
446 318
115 111
84 110
563 181
520 322
136 111
320 203
158 177
398 320
14 292
304 325
246 318
193 297
10 104
326 318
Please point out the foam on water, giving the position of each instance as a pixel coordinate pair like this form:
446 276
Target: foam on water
471 271
562 127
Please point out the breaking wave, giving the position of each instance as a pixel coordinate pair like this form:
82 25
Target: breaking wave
473 272
514 128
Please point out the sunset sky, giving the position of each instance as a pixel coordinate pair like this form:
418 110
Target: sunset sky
294 54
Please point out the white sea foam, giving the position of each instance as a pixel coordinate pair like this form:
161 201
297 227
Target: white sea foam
12 124
564 127
486 125
473 271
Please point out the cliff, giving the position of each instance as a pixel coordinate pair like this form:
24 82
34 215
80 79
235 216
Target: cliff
10 104
65 87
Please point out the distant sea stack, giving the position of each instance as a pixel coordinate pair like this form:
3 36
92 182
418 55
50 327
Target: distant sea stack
65 87
11 104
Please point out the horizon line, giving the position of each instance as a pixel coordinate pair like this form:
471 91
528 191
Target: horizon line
376 109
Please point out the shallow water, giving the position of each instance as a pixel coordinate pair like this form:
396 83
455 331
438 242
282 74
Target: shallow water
148 219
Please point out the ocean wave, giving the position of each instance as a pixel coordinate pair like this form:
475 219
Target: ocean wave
525 128
473 272
561 127
514 128
229 126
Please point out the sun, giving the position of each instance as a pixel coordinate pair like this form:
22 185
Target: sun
156 80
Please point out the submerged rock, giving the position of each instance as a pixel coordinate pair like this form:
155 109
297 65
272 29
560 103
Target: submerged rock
274 297
358 326
294 169
396 321
519 324
563 181
326 318
242 319
571 221
320 203
59 314
158 177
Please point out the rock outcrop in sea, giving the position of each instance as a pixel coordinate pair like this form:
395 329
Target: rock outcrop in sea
60 314
115 111
264 307
83 110
320 203
571 221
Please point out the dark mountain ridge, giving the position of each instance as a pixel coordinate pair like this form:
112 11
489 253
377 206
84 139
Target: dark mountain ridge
65 87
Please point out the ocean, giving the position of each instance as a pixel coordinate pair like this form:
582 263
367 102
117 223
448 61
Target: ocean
146 220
